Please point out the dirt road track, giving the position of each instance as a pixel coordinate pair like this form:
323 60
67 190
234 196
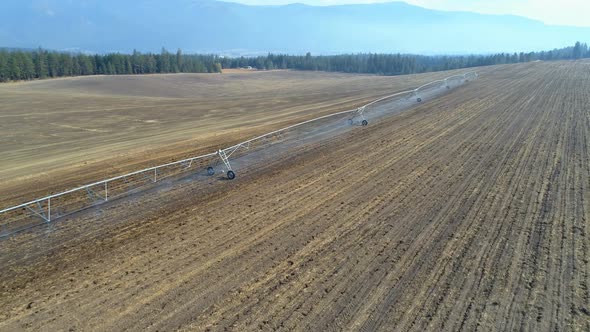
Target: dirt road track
467 213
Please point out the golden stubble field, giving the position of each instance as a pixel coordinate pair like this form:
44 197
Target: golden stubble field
58 134
468 212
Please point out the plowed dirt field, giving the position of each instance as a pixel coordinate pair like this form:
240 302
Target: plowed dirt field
469 212
63 133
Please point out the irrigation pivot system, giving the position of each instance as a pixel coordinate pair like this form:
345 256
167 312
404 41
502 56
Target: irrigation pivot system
52 207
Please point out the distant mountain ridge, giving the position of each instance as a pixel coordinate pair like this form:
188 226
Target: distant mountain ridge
237 29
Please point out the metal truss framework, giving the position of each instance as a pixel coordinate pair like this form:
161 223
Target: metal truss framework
98 192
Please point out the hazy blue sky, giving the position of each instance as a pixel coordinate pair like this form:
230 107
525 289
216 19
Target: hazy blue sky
557 12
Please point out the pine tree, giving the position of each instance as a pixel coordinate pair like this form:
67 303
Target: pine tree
3 66
151 65
28 67
164 61
577 51
179 60
66 65
87 66
14 70
53 64
40 60
75 67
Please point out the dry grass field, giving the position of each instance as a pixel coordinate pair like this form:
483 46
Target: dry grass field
469 212
62 133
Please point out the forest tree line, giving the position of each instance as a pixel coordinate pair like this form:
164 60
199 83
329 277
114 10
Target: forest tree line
398 64
39 64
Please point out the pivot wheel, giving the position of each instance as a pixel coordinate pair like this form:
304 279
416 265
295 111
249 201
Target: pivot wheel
365 122
231 175
419 99
210 170
350 122
448 87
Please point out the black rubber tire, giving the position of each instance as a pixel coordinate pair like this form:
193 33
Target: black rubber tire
210 171
419 100
350 122
231 175
448 87
365 123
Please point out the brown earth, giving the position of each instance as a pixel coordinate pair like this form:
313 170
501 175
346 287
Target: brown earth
470 212
63 133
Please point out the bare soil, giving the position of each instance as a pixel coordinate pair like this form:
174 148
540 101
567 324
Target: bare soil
469 212
63 133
